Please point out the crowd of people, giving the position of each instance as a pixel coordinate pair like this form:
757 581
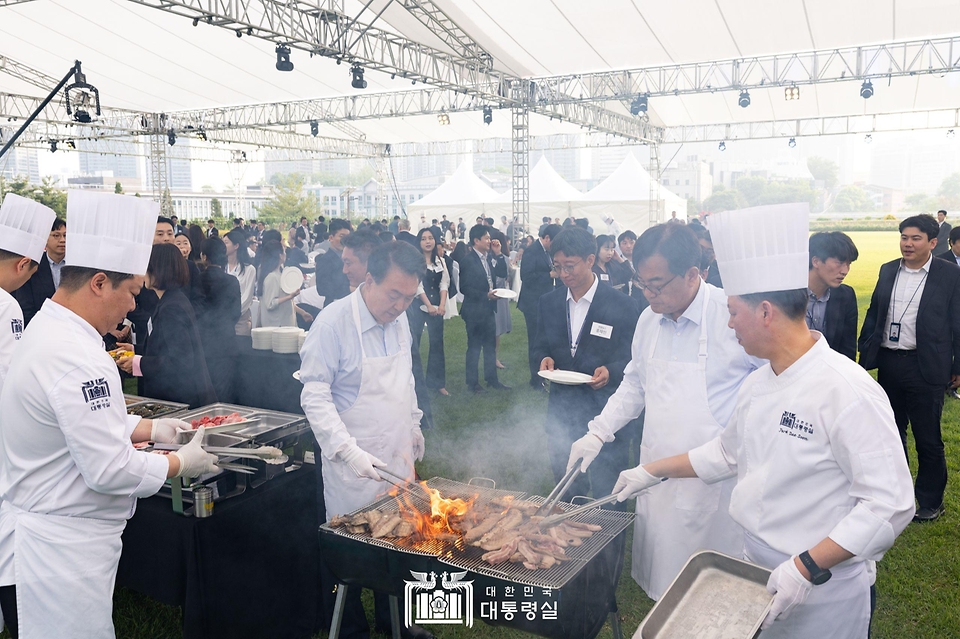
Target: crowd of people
722 350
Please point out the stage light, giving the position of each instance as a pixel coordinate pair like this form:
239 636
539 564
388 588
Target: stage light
791 93
488 115
72 144
314 128
950 133
866 89
722 146
85 98
239 33
792 143
358 81
201 134
171 137
744 100
443 119
639 105
196 21
283 58
868 138
53 146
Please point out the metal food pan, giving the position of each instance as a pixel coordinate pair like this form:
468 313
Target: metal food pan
149 408
267 424
218 410
713 597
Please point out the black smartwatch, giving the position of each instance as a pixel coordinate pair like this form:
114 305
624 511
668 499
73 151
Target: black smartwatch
818 575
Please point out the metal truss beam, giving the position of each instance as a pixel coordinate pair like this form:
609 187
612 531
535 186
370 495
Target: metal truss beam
839 125
520 160
270 138
9 3
15 107
442 26
26 73
915 57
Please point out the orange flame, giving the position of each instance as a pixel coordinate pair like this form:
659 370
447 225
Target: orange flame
439 526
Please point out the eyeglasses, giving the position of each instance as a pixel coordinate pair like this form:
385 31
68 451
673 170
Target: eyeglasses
655 289
568 269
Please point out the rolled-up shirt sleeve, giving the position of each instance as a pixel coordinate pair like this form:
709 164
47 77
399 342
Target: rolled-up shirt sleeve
99 441
320 357
866 445
717 459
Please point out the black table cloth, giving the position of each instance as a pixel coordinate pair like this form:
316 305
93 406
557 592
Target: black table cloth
265 379
250 570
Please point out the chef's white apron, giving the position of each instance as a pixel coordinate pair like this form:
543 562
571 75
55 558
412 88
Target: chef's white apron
680 516
838 609
380 422
65 573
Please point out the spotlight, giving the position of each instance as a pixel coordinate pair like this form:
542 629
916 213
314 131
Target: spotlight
201 134
791 93
196 21
171 137
443 119
722 146
639 105
239 33
283 58
358 81
72 144
314 128
950 133
868 138
487 115
792 143
249 31
53 146
744 100
393 75
866 89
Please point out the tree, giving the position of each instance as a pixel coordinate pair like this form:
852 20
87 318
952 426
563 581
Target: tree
852 198
825 170
724 200
693 207
216 209
45 193
118 188
289 201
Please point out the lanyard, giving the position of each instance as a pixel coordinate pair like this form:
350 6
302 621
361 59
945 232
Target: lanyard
893 298
574 344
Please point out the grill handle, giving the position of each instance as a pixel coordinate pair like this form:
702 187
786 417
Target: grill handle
480 481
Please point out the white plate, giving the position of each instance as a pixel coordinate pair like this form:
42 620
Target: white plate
505 293
296 375
567 378
291 280
423 307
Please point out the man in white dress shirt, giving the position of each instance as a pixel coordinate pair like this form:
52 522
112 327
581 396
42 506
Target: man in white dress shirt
822 488
686 370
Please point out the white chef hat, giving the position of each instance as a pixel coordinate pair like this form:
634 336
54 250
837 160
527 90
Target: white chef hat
24 226
762 249
110 232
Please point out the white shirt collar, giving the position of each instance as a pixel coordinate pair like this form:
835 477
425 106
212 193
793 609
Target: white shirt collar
481 255
693 312
367 320
925 267
589 294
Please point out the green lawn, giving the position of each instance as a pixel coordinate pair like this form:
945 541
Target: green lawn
501 436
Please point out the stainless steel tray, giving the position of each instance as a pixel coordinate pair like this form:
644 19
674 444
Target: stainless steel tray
713 597
149 408
268 424
218 410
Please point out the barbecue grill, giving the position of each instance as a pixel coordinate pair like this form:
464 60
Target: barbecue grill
582 588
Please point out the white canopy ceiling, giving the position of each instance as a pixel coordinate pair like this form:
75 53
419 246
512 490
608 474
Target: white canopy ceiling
146 59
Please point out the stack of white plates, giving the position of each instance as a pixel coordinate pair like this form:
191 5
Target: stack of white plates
286 339
263 338
303 337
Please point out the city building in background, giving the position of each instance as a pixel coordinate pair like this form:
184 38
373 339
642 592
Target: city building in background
20 162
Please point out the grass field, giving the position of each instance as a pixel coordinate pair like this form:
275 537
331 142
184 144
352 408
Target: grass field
501 436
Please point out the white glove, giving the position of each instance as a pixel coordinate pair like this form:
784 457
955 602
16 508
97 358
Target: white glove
419 448
361 462
586 448
194 461
165 430
632 482
791 589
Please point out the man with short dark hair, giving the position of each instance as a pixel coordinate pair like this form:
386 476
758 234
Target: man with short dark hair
479 268
320 230
436 230
212 230
944 233
585 328
46 279
394 226
832 307
303 232
461 228
177 227
952 252
911 335
332 284
538 278
685 371
359 397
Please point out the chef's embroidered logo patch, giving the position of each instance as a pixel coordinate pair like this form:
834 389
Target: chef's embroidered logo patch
790 425
16 326
96 393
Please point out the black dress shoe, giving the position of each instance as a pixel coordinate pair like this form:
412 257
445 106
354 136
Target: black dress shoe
498 386
413 632
925 515
478 389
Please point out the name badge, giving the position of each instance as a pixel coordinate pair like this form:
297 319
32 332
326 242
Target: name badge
604 277
895 331
601 330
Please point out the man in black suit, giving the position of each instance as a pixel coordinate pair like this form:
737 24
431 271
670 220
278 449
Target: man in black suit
538 278
479 268
832 305
944 233
911 335
212 230
46 279
404 234
952 252
332 284
436 230
586 328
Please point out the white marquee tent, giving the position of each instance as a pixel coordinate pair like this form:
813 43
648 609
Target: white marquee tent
550 195
462 195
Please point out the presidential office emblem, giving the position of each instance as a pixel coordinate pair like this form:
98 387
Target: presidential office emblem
425 604
96 393
16 326
793 427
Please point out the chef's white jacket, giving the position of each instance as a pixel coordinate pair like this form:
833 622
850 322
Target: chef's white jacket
64 430
817 454
11 328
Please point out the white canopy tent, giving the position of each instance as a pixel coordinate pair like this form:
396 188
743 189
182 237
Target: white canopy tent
462 195
550 195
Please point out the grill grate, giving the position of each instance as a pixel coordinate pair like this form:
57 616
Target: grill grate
469 558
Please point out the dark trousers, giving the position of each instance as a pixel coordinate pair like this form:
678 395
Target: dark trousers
8 604
603 473
531 318
436 376
481 335
920 404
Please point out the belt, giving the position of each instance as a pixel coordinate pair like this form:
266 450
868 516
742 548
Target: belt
899 352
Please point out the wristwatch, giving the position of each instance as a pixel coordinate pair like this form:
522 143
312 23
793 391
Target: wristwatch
818 575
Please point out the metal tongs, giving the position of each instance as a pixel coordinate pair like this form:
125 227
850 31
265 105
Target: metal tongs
553 520
401 483
560 490
263 452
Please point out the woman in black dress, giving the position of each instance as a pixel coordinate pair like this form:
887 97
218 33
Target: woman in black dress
433 296
606 268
